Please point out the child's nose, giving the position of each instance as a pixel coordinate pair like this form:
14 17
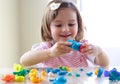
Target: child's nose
65 28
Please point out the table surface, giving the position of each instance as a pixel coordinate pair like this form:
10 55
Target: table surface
83 79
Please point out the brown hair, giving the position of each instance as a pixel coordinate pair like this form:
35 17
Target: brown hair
50 15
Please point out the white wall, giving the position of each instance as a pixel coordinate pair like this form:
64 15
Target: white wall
31 12
19 28
102 19
113 54
9 35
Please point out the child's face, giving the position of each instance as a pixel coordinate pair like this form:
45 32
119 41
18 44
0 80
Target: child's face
65 25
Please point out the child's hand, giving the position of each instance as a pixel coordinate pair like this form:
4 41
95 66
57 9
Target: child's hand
60 48
89 49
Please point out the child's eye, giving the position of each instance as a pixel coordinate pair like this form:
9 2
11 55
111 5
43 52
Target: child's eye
58 25
71 24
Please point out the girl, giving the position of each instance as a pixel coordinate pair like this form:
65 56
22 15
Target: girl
62 21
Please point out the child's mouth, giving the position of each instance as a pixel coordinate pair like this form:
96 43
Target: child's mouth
65 36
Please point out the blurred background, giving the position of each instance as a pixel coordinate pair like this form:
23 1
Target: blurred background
20 27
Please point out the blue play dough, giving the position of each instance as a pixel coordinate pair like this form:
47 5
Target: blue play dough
100 71
60 80
89 73
75 45
55 71
62 73
48 70
113 74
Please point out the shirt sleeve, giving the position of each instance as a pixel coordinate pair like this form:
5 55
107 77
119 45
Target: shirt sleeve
40 46
34 46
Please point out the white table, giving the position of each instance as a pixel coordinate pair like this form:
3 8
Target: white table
83 79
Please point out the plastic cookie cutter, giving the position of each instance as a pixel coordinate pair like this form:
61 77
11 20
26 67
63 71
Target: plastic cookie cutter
50 76
76 45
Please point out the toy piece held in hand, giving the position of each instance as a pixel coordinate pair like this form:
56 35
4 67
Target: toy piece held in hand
76 45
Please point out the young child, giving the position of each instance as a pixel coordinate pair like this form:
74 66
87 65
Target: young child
62 21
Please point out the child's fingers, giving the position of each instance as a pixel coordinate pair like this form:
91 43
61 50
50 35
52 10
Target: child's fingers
64 47
66 50
84 47
83 41
89 52
65 43
68 43
87 49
